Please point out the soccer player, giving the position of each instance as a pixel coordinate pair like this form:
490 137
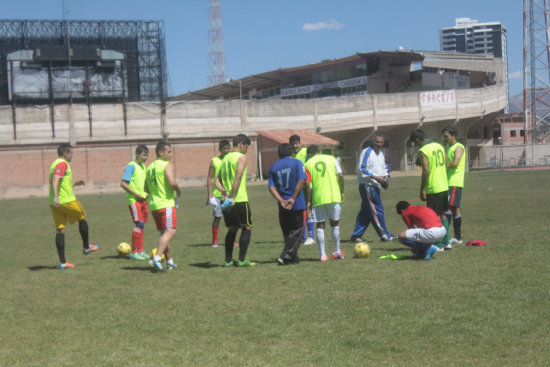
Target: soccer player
231 181
286 181
372 173
300 153
327 194
424 229
64 206
433 186
456 164
214 195
133 182
163 192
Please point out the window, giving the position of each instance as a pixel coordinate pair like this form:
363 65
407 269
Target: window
522 133
513 133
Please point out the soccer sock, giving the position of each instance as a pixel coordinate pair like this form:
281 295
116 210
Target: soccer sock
60 244
215 234
446 225
229 243
157 258
457 222
321 241
449 215
137 237
83 229
244 241
310 227
335 232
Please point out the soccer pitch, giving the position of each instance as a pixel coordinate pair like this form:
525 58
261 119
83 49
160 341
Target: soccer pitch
487 306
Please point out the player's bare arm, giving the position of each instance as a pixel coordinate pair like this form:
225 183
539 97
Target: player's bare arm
55 187
425 176
127 188
209 180
170 174
458 154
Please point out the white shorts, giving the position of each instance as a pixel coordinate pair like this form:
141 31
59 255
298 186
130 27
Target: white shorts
429 236
326 211
216 207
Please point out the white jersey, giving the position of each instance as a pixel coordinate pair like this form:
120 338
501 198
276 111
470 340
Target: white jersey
371 163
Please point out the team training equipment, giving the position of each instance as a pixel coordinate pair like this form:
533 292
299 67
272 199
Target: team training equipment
124 249
361 250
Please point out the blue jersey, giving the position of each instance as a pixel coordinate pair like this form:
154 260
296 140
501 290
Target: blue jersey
284 175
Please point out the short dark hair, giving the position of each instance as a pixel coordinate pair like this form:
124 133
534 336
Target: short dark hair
241 138
142 148
294 139
401 207
451 130
312 150
285 150
417 134
377 136
161 146
63 148
223 143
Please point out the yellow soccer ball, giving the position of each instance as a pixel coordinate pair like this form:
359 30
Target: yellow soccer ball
124 249
361 250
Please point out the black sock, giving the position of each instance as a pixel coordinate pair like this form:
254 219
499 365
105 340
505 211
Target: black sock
244 241
60 244
229 241
457 222
83 229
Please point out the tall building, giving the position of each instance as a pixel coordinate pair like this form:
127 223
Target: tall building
472 37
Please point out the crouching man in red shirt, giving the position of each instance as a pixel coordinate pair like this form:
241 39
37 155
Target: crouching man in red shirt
424 229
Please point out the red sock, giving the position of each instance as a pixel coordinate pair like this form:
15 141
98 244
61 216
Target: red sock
215 234
137 237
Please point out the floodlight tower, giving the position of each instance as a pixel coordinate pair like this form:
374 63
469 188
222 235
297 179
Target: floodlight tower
216 53
536 68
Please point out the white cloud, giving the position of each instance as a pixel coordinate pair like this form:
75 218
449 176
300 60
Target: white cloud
319 26
515 75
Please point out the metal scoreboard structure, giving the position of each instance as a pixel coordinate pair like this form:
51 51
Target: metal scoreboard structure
59 61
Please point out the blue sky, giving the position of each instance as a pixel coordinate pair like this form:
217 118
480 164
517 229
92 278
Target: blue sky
263 35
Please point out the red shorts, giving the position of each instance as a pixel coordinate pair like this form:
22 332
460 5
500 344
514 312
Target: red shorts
139 212
165 218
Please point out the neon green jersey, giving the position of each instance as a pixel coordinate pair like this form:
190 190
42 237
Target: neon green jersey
437 181
161 193
301 155
137 182
455 175
228 171
216 163
65 193
324 180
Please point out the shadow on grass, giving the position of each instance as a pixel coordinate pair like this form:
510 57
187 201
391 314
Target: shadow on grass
41 267
114 257
202 245
138 268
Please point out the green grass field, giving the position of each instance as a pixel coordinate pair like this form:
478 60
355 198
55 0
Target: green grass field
484 306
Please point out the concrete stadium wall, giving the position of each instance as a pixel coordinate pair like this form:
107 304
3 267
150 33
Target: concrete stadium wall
192 125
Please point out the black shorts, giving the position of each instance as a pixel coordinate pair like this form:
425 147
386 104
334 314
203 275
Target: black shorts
455 194
238 216
439 202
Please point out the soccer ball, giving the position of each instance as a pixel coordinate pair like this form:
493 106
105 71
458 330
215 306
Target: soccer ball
153 252
124 249
361 250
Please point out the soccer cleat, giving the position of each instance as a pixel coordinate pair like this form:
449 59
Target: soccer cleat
147 257
246 262
91 248
171 266
385 238
281 261
448 246
215 244
439 249
355 239
158 266
455 241
324 258
309 241
338 255
429 253
227 264
392 238
137 256
66 265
